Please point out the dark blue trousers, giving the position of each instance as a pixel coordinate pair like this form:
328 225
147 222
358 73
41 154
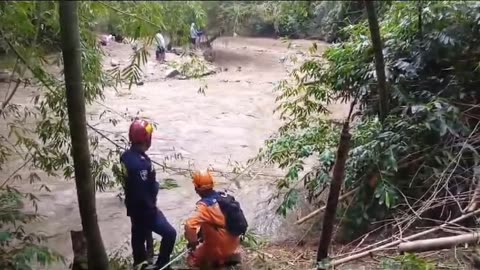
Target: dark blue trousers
142 226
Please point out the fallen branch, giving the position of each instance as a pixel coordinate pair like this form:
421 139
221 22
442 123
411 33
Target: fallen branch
397 242
316 212
207 73
439 243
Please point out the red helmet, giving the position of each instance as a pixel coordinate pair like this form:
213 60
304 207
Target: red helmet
140 132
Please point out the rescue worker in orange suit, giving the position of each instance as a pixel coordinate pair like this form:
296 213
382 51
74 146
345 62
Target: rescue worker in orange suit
218 245
141 189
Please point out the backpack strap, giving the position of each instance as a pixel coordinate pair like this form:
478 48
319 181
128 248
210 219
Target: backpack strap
210 200
221 193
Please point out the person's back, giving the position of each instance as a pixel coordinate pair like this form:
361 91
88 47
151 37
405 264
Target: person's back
193 35
215 236
217 243
140 188
193 31
160 40
161 47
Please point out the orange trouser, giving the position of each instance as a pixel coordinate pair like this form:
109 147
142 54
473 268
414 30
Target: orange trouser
205 256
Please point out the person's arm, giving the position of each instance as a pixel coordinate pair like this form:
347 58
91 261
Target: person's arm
148 186
194 223
153 186
122 175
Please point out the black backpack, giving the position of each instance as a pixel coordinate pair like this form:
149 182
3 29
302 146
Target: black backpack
235 221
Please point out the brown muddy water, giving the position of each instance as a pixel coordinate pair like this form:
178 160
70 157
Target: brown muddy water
226 125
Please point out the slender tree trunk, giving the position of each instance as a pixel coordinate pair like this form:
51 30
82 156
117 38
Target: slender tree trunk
97 257
379 62
420 23
335 187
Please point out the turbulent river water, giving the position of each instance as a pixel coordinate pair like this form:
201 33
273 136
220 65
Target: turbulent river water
226 125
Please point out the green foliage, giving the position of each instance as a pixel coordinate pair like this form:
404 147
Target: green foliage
408 262
169 183
252 241
19 249
30 32
294 19
141 19
194 67
227 16
330 17
431 126
286 18
290 150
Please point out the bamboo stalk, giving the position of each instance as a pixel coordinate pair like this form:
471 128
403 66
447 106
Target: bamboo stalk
439 243
397 242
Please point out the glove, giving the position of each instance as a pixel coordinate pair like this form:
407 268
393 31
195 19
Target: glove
192 245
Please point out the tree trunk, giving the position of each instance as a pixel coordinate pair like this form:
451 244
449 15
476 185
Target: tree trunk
379 62
420 21
335 187
316 212
69 28
79 247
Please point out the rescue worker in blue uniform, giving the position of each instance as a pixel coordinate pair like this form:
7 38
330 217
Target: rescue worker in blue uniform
141 189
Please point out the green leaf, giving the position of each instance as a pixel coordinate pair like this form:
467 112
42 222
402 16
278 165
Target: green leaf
5 236
169 183
387 199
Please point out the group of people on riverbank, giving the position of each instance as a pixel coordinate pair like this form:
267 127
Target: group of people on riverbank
213 232
161 46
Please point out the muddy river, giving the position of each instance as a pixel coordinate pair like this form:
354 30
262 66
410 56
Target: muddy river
226 125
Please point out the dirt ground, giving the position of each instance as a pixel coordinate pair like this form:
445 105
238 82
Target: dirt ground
226 125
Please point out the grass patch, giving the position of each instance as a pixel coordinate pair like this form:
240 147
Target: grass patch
169 183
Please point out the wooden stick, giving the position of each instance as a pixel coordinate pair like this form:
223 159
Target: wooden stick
397 242
314 213
438 243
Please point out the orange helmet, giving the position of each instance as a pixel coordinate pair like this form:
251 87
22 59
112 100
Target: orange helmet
202 180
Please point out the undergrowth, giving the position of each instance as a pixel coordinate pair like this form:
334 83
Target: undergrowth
36 132
422 158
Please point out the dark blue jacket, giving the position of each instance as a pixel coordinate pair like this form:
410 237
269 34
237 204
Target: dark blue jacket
141 187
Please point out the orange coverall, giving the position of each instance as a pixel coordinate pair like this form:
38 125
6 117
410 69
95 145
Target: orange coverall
218 244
